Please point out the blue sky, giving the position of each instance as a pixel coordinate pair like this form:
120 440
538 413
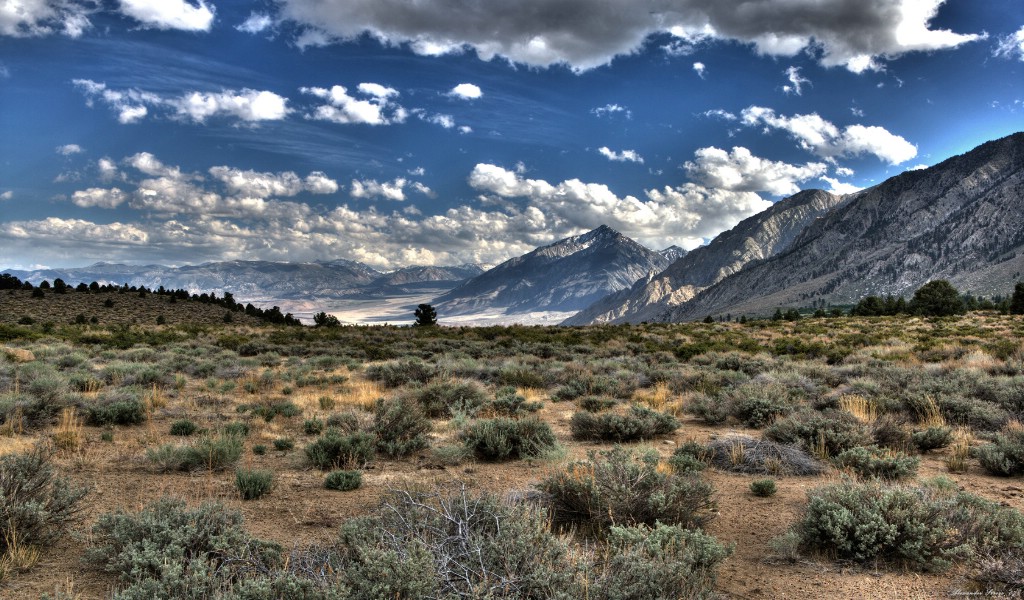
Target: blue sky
454 131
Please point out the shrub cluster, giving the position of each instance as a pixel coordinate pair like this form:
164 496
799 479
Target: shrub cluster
504 438
1004 457
335 449
638 423
400 427
827 432
444 399
873 462
36 505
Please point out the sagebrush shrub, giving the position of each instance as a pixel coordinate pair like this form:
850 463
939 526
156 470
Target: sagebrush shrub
763 487
36 506
1005 456
183 427
638 423
877 463
932 438
215 453
253 483
616 487
400 426
827 432
397 373
335 449
119 407
343 481
443 399
507 439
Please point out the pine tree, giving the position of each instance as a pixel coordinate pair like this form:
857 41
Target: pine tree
426 316
1017 302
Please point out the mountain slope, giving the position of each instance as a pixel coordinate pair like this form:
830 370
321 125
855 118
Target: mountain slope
755 238
959 220
565 276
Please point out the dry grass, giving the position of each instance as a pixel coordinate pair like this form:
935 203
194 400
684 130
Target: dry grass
68 435
360 393
959 451
861 408
15 424
19 557
932 416
657 397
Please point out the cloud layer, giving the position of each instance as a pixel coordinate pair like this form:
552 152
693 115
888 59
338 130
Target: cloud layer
583 34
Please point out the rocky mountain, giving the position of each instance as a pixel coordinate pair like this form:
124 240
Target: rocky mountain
959 220
753 239
565 276
672 253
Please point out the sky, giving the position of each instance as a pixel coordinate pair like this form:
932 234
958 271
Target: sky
444 132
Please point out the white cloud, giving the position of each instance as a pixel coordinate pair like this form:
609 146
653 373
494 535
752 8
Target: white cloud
624 156
1011 46
31 18
464 129
700 69
108 169
69 149
917 167
796 81
466 91
824 139
170 14
446 121
839 187
99 197
741 171
418 172
256 23
252 184
612 109
719 113
133 105
6 195
844 172
73 232
584 35
371 188
342 108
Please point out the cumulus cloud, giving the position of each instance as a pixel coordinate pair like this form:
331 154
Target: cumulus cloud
796 81
446 121
69 149
375 108
839 187
133 105
1011 46
584 35
624 156
108 169
170 14
393 190
699 68
826 140
32 18
99 197
741 171
71 232
264 185
7 195
256 23
466 91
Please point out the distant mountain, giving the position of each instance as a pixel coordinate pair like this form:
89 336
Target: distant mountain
959 220
565 276
412 275
672 253
755 238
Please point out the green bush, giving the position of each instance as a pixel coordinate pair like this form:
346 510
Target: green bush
454 544
927 528
314 426
400 426
259 449
213 453
343 481
183 427
269 410
690 457
932 438
663 561
170 551
596 404
396 373
710 410
253 483
236 429
1005 457
36 506
335 449
763 487
284 444
508 402
506 439
443 399
618 488
638 423
877 463
831 430
117 408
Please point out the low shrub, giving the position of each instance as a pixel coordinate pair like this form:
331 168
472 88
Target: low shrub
743 454
397 373
638 423
763 488
874 462
932 438
507 401
926 528
269 410
259 449
708 409
343 481
619 488
253 483
596 404
1005 456
824 433
183 427
690 457
888 432
663 561
335 449
36 505
314 426
117 408
215 453
237 429
443 399
507 439
400 426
